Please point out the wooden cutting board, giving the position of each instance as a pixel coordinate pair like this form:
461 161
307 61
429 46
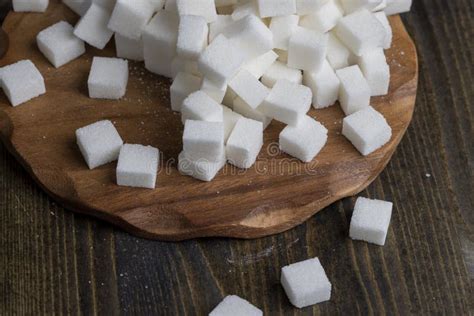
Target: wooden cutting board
277 194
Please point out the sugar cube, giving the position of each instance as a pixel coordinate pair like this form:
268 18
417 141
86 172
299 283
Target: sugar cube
183 85
99 143
130 17
192 36
360 31
324 19
204 8
230 119
106 4
350 6
307 50
388 29
256 114
80 7
244 143
201 169
216 27
338 55
259 65
305 7
249 89
92 27
30 5
306 283
271 8
217 91
234 305
179 64
324 85
108 78
137 166
59 44
354 92
370 220
221 60
201 107
397 6
278 71
282 28
203 140
367 130
244 9
287 102
375 69
129 48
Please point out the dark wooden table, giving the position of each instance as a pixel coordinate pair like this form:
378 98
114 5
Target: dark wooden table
53 261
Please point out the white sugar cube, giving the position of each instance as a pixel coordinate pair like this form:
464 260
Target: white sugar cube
354 93
288 102
338 55
21 82
129 48
108 78
307 50
192 36
388 29
217 91
245 143
397 6
244 9
249 89
306 283
221 60
255 114
204 8
183 85
375 69
99 143
278 71
92 27
304 141
130 17
271 8
305 7
259 65
324 19
30 5
203 140
324 85
282 28
80 7
234 305
350 6
360 31
179 64
137 166
370 220
230 119
201 169
199 106
59 44
216 27
367 130
159 42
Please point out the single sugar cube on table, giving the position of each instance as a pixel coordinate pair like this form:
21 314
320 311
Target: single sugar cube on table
304 141
130 17
375 69
279 71
354 93
199 106
92 27
230 119
271 8
201 169
305 7
99 143
192 36
215 90
370 220
282 28
129 48
287 102
203 140
21 82
305 283
324 85
204 8
233 305
108 78
307 50
367 130
255 114
30 5
183 85
259 65
324 19
245 143
249 88
338 55
137 166
59 44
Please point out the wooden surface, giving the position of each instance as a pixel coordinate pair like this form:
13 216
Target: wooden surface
53 261
276 194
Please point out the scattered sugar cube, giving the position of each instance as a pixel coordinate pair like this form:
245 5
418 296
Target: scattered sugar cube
350 6
201 169
217 91
324 85
287 102
361 32
192 36
30 5
258 66
80 7
59 44
230 119
375 69
216 27
234 305
203 140
370 220
367 130
354 93
99 143
204 8
271 8
249 89
278 71
137 166
388 29
21 82
255 114
108 78
129 48
130 17
397 6
338 55
245 9
183 85
305 7
92 27
324 19
245 143
306 283
307 50
304 141
282 28
179 64
199 106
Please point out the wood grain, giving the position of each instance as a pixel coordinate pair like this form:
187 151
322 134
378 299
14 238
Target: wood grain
278 193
